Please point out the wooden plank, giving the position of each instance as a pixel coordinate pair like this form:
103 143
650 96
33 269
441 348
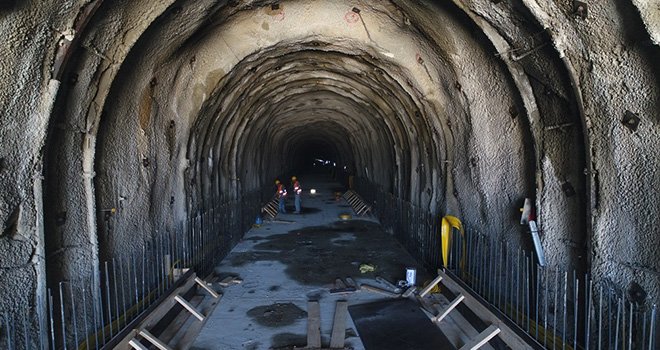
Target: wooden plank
388 284
427 306
371 288
448 309
364 210
158 313
154 340
351 282
483 338
507 334
462 331
428 288
193 327
135 344
313 324
206 287
189 307
409 292
339 325
179 321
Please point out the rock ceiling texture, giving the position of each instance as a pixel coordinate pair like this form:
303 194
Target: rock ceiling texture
464 107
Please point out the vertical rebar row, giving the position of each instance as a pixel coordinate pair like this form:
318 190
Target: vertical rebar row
507 277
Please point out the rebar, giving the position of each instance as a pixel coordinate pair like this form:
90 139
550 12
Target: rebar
652 329
616 329
62 315
506 276
107 295
85 325
576 293
75 317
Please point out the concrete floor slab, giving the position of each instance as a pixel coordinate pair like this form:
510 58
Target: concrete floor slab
284 265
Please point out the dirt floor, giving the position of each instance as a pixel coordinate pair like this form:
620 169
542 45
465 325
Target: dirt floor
285 264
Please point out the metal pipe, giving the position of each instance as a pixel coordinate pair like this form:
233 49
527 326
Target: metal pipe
563 342
600 318
630 326
545 308
62 317
493 251
85 325
507 282
114 280
652 329
135 280
644 330
145 290
554 327
536 301
95 309
588 294
75 317
518 319
576 291
527 291
123 289
107 291
618 318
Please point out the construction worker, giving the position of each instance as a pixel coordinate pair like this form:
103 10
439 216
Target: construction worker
297 190
281 196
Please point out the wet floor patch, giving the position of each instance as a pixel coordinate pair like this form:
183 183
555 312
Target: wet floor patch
317 255
285 341
303 210
277 315
316 295
251 346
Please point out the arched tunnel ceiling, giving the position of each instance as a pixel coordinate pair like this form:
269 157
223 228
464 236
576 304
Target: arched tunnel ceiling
463 107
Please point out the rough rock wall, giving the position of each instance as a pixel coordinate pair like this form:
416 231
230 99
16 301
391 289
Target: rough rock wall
31 35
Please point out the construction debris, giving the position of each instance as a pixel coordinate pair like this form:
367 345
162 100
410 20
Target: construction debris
389 285
364 268
409 292
381 291
351 283
283 221
343 287
314 326
230 281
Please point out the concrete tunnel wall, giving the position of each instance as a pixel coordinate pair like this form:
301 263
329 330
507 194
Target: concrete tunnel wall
465 107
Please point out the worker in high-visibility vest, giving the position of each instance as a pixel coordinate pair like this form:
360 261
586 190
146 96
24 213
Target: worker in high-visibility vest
297 190
281 196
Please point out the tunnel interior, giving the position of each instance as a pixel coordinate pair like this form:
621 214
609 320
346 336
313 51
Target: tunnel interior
164 111
393 106
414 98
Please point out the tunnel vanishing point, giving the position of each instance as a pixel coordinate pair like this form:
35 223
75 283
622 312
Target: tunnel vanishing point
121 120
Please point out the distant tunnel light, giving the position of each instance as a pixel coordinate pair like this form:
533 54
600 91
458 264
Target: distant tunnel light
312 191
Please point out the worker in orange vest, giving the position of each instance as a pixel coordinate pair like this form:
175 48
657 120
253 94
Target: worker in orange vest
297 190
281 196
